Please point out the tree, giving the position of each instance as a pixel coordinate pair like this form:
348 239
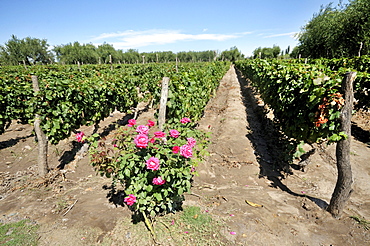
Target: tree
104 51
266 53
28 50
73 53
337 32
233 54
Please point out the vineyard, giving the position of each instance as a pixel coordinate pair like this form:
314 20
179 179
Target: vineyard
304 96
71 97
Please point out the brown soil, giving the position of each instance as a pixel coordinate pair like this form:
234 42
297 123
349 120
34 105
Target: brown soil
73 206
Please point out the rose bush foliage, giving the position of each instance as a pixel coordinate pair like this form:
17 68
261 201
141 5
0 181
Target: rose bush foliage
155 167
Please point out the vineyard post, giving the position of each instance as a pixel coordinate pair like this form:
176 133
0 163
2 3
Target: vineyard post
359 51
343 188
111 63
41 137
163 102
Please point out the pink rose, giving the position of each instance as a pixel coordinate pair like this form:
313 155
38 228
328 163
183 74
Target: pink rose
130 200
175 149
131 122
79 137
151 123
152 140
142 129
141 141
158 181
174 133
159 134
191 142
185 120
152 163
186 151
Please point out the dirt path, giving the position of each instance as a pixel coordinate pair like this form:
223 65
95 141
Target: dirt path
240 167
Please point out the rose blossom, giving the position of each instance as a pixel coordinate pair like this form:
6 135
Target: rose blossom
152 163
142 129
130 200
158 181
191 142
151 123
131 122
175 149
79 137
186 151
159 134
185 120
174 133
141 141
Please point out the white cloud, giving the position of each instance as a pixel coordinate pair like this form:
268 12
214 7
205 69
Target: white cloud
291 34
134 39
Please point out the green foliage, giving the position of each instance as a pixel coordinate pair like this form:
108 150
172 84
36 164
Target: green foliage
28 50
72 96
18 233
266 53
337 32
304 98
231 55
342 65
126 161
191 88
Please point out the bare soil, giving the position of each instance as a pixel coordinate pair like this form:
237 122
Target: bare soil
74 206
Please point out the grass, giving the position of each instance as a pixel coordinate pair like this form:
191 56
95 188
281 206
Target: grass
188 227
364 223
23 232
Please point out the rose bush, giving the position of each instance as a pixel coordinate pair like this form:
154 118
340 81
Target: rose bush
155 167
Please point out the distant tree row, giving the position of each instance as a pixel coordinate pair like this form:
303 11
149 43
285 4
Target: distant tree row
265 53
342 31
29 51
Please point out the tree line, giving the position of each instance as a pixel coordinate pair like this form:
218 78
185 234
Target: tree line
333 32
30 51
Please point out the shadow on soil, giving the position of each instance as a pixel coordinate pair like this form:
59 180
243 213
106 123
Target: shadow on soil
269 144
13 141
360 134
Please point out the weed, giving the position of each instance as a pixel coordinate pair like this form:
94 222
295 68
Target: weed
60 205
188 227
362 222
18 233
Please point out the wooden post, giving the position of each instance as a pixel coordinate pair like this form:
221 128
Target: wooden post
41 137
111 63
163 102
359 51
79 65
343 188
177 70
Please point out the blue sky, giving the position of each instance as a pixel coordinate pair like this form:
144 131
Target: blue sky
160 25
